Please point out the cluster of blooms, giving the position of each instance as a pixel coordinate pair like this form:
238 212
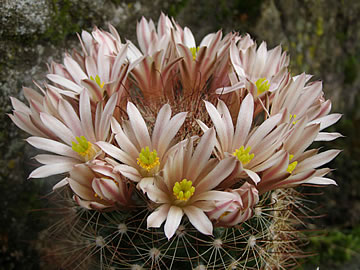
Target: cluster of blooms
195 130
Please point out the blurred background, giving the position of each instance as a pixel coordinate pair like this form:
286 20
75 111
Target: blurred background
322 38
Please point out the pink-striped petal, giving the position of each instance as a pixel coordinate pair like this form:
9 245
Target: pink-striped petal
52 146
198 219
61 183
162 120
65 82
116 153
54 159
214 195
156 195
173 220
70 118
202 154
169 132
51 169
85 192
264 129
74 69
156 218
219 125
317 160
217 175
59 129
253 175
139 126
328 136
321 181
22 121
326 121
85 116
129 172
244 121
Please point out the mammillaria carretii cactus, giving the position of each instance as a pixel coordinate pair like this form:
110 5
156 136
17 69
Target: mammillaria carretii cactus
177 155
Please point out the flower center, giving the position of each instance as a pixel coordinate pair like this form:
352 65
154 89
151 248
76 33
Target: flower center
262 85
98 81
243 155
84 148
293 117
292 165
194 51
183 190
148 160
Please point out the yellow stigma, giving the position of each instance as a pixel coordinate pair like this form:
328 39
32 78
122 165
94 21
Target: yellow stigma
243 154
183 190
98 81
292 165
84 148
262 85
194 51
293 117
148 160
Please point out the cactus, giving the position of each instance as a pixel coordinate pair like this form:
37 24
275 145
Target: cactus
212 186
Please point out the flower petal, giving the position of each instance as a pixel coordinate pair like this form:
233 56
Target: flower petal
59 129
219 125
217 175
173 220
202 154
70 118
155 194
320 181
116 153
198 219
243 122
316 160
52 146
139 126
65 82
253 175
326 136
51 169
85 116
129 172
156 218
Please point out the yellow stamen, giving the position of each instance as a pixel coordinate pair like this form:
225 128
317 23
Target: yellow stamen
224 214
293 116
292 165
262 85
98 81
148 160
97 195
183 190
243 154
194 51
84 148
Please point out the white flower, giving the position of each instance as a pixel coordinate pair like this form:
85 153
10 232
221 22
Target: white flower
187 186
77 134
252 147
142 156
